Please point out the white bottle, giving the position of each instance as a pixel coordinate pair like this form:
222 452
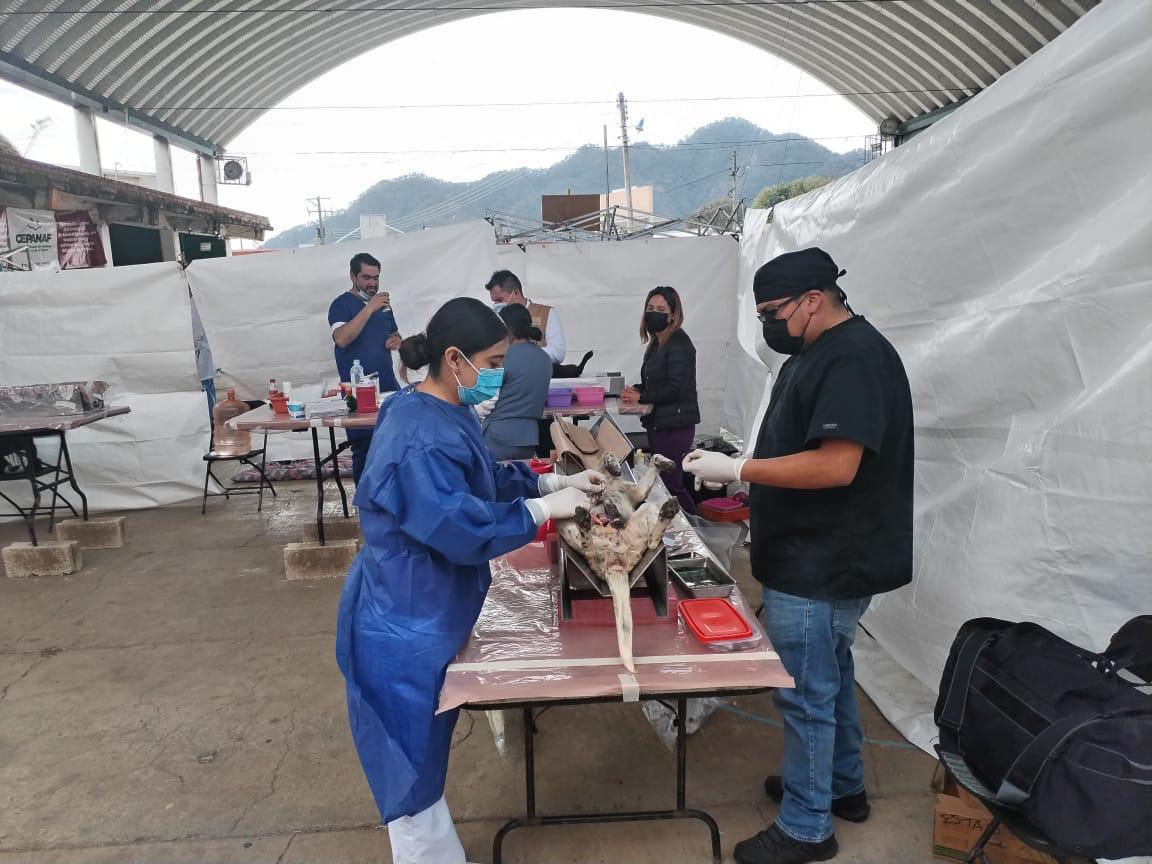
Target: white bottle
356 373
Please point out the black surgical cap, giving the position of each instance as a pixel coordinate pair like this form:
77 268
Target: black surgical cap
794 273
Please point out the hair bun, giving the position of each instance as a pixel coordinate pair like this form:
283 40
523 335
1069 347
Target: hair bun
414 352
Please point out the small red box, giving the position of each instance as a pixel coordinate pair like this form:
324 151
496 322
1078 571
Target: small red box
365 398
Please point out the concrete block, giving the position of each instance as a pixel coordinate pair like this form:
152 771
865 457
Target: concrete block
313 561
48 559
93 534
335 528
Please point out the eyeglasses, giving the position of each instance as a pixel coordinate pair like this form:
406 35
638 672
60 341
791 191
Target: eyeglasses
770 314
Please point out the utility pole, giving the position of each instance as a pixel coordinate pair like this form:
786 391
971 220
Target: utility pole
607 187
732 173
320 235
627 168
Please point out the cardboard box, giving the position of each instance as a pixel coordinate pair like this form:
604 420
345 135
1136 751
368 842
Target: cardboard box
959 821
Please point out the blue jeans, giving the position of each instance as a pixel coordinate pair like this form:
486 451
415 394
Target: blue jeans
822 732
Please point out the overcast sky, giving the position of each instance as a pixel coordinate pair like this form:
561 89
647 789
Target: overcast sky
357 125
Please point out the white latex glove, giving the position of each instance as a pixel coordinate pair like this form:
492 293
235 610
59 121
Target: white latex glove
710 467
591 482
483 409
557 505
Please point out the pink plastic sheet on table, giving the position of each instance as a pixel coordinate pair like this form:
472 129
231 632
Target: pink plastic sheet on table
520 652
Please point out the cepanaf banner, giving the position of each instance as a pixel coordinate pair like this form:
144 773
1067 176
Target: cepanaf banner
34 233
66 240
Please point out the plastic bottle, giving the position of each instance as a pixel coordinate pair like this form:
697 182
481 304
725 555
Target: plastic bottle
225 440
271 387
356 373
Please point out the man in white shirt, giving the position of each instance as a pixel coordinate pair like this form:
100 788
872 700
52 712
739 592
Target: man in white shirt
504 287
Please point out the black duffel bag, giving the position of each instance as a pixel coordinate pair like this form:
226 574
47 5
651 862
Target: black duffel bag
1056 731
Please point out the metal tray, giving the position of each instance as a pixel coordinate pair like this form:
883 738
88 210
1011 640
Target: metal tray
723 588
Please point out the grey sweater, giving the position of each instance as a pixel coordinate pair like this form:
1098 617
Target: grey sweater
512 423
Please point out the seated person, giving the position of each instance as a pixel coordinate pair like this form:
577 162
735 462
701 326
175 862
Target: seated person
510 430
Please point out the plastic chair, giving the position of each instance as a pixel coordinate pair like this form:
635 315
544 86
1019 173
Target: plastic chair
212 457
1012 820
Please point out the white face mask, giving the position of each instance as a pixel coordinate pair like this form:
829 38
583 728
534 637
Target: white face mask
496 307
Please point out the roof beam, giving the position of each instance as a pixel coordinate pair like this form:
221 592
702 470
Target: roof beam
46 83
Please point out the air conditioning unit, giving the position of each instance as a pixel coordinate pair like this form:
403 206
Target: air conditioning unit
233 171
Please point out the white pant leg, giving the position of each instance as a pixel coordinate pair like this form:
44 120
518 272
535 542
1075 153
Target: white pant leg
429 837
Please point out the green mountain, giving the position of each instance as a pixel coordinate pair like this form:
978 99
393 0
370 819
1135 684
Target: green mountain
685 176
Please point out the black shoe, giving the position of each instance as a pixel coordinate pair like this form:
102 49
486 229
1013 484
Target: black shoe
850 808
773 846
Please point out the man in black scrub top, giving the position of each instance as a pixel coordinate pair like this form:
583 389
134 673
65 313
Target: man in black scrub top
831 526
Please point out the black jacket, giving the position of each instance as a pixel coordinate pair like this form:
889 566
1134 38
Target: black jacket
668 383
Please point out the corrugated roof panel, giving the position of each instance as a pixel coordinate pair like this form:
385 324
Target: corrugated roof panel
897 58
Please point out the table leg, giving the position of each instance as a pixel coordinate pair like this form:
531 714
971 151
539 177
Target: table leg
55 485
32 514
682 780
531 819
72 476
336 469
319 485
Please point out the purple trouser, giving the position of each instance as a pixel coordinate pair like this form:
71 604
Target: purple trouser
675 444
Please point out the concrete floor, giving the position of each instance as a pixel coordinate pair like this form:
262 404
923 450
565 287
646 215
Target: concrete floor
178 701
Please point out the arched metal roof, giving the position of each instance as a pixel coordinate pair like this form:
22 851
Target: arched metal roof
229 61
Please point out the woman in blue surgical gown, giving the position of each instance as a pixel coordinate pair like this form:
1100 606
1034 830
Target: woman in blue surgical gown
434 509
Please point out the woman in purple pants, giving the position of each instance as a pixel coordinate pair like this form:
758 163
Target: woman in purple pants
668 384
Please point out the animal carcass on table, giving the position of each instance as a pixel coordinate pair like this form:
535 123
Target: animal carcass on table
616 534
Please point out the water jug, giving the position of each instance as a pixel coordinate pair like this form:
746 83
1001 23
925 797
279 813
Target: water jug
225 440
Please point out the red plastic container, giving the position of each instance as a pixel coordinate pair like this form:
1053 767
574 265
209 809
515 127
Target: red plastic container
279 403
714 620
723 510
544 530
540 466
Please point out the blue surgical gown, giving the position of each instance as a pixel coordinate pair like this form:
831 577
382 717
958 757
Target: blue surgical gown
434 509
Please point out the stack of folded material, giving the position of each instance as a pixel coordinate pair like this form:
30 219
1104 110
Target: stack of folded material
329 406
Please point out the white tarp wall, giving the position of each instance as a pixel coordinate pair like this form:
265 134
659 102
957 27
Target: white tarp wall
130 326
599 289
266 316
1007 253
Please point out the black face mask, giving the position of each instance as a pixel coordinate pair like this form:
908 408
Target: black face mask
656 322
779 339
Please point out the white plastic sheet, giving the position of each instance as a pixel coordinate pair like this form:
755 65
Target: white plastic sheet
1007 253
131 327
599 290
266 315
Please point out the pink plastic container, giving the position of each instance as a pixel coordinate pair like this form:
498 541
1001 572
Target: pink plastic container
589 396
559 397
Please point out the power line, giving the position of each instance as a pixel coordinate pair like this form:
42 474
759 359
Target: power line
557 103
